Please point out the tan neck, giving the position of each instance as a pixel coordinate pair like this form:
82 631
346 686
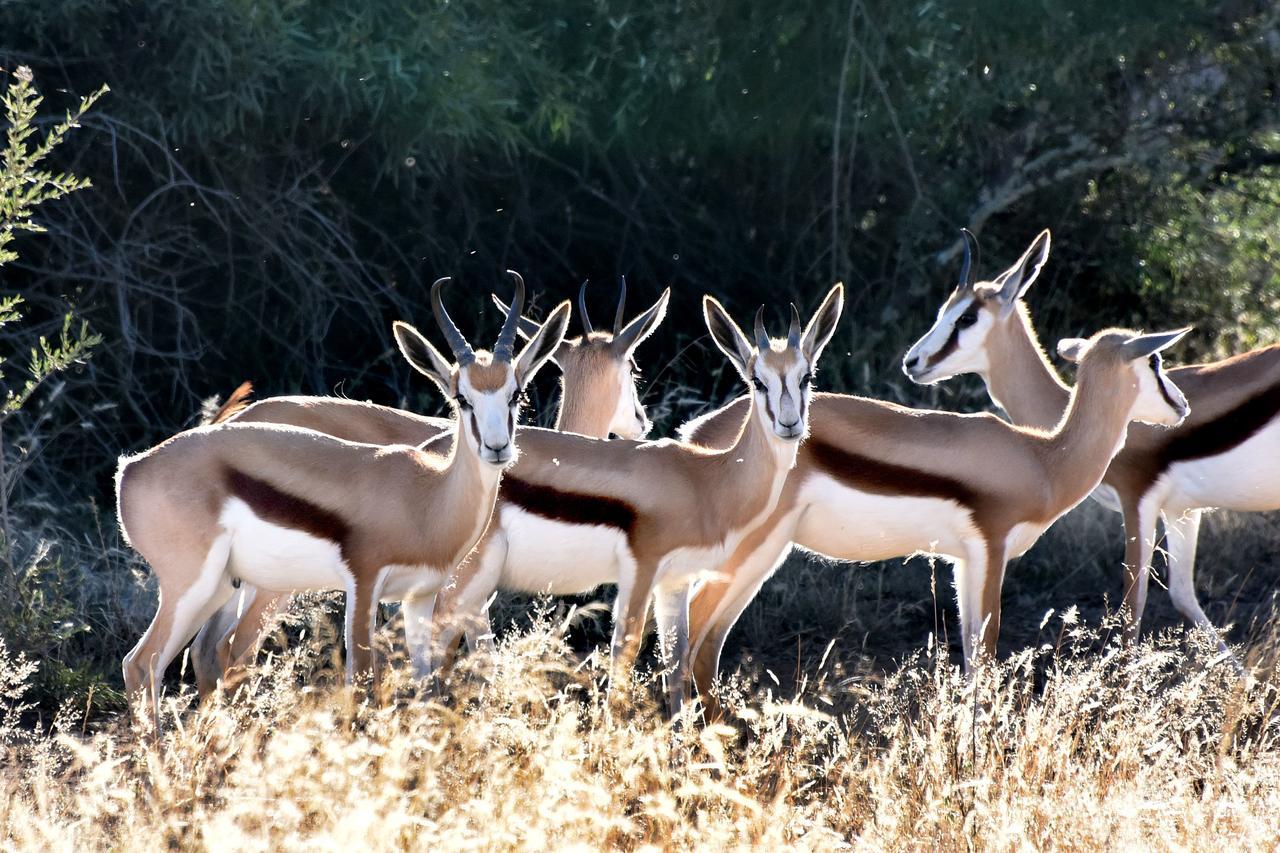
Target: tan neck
465 480
1020 378
577 414
757 461
1091 432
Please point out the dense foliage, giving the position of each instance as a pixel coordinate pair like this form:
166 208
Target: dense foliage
274 182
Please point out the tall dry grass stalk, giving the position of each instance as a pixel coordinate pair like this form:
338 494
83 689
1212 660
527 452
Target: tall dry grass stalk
1075 744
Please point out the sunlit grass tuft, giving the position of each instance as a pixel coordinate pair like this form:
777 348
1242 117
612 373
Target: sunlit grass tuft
1076 743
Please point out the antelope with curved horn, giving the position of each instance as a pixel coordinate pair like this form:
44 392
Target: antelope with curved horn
598 398
650 517
877 480
284 508
1226 454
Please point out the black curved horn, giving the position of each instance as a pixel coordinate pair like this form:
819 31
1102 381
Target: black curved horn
505 348
972 254
762 337
619 316
793 333
457 343
582 308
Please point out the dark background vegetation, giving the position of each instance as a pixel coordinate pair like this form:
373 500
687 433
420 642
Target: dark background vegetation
276 182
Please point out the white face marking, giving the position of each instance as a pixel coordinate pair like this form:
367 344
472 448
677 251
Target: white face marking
492 414
922 363
1151 406
629 418
786 395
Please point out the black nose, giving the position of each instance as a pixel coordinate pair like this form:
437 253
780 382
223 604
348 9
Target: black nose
497 449
911 362
791 425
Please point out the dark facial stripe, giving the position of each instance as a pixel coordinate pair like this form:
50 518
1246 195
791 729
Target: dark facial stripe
1225 432
286 510
885 478
768 407
952 344
568 507
475 428
1160 382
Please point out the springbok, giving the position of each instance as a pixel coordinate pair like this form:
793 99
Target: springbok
650 517
1226 454
876 480
598 399
285 508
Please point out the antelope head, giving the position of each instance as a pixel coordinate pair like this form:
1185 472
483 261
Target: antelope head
484 388
778 371
598 369
1156 399
974 317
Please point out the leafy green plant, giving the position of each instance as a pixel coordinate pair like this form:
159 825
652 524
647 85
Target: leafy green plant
31 607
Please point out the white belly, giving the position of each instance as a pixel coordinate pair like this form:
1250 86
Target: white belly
278 558
1247 477
1022 537
847 524
398 582
551 556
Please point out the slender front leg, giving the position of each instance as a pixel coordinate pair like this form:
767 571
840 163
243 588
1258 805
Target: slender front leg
992 584
362 619
970 579
1139 542
460 604
1181 533
720 601
630 611
418 609
671 613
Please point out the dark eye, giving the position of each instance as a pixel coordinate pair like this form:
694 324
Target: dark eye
807 380
757 384
1154 361
515 399
462 402
967 319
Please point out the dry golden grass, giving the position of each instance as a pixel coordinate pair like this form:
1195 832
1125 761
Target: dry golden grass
1159 746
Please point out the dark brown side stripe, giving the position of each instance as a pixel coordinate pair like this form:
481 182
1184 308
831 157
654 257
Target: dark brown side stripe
885 478
568 507
1225 432
286 510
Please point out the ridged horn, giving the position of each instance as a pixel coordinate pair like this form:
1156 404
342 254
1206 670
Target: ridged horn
582 308
793 333
619 316
505 348
972 254
762 337
457 343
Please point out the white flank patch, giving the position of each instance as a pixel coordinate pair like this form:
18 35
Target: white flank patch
552 556
280 558
846 524
1245 478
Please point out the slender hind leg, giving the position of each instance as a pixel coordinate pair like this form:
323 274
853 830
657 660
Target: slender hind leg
239 646
460 604
671 613
1182 532
182 610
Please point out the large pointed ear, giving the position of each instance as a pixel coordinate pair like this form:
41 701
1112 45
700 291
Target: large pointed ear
643 326
823 324
727 335
1072 348
1014 281
425 358
543 344
525 327
1144 346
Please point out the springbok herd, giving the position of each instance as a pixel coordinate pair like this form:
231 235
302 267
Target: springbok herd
306 493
